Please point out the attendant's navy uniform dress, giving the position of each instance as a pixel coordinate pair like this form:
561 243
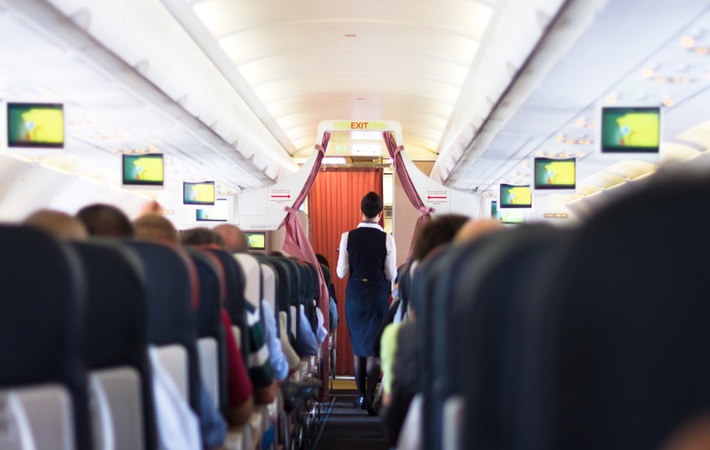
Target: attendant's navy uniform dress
368 290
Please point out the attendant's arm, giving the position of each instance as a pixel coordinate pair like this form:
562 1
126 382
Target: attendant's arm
390 259
343 257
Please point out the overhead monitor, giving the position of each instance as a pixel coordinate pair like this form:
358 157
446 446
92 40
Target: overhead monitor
38 125
630 130
494 209
515 196
143 170
512 217
554 175
216 213
202 193
256 240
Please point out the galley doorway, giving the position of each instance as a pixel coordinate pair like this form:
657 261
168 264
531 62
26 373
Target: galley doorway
334 208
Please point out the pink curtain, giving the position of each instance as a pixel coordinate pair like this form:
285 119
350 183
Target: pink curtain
296 242
409 189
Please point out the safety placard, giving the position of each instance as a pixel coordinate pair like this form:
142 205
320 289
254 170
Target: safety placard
280 196
436 197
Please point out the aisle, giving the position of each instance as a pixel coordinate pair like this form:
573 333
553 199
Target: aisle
347 428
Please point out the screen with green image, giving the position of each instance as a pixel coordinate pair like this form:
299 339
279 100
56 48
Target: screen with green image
553 173
35 125
216 213
515 196
143 170
633 130
512 217
256 240
202 193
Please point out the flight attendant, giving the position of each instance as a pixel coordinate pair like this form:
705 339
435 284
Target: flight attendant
367 253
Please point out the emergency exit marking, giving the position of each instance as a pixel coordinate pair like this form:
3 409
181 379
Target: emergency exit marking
358 125
437 197
280 196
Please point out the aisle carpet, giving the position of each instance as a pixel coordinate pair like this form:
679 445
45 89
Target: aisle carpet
347 428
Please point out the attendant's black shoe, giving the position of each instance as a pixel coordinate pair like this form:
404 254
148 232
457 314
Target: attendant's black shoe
359 402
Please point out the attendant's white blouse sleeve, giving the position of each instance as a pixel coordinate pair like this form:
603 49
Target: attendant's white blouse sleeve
343 258
390 259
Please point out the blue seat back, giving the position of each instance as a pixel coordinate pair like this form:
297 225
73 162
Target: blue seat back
171 294
42 318
208 320
618 342
116 330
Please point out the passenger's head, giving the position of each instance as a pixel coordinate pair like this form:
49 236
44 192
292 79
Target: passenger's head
105 220
235 241
371 205
155 227
322 260
201 236
58 224
692 435
476 228
435 233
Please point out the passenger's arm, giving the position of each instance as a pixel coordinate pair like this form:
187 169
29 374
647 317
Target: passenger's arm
343 257
239 415
241 399
265 395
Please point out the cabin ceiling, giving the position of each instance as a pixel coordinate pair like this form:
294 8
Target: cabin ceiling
235 90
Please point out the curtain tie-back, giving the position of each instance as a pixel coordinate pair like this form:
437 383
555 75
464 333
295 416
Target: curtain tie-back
291 210
320 148
425 211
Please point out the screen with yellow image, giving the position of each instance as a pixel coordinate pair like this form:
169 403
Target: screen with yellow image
202 193
555 173
515 196
143 170
217 213
512 217
256 239
634 130
35 125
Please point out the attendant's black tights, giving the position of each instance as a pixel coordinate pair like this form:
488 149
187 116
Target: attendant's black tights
367 368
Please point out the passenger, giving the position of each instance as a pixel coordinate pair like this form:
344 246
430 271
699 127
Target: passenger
105 220
398 345
368 254
58 224
201 236
234 240
281 352
157 228
333 315
261 371
694 435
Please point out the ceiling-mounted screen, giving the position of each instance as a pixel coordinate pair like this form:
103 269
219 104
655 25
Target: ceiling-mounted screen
555 174
515 196
512 217
143 170
39 125
494 209
202 193
216 213
630 129
256 240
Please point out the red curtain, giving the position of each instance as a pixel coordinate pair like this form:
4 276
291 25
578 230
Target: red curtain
334 208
